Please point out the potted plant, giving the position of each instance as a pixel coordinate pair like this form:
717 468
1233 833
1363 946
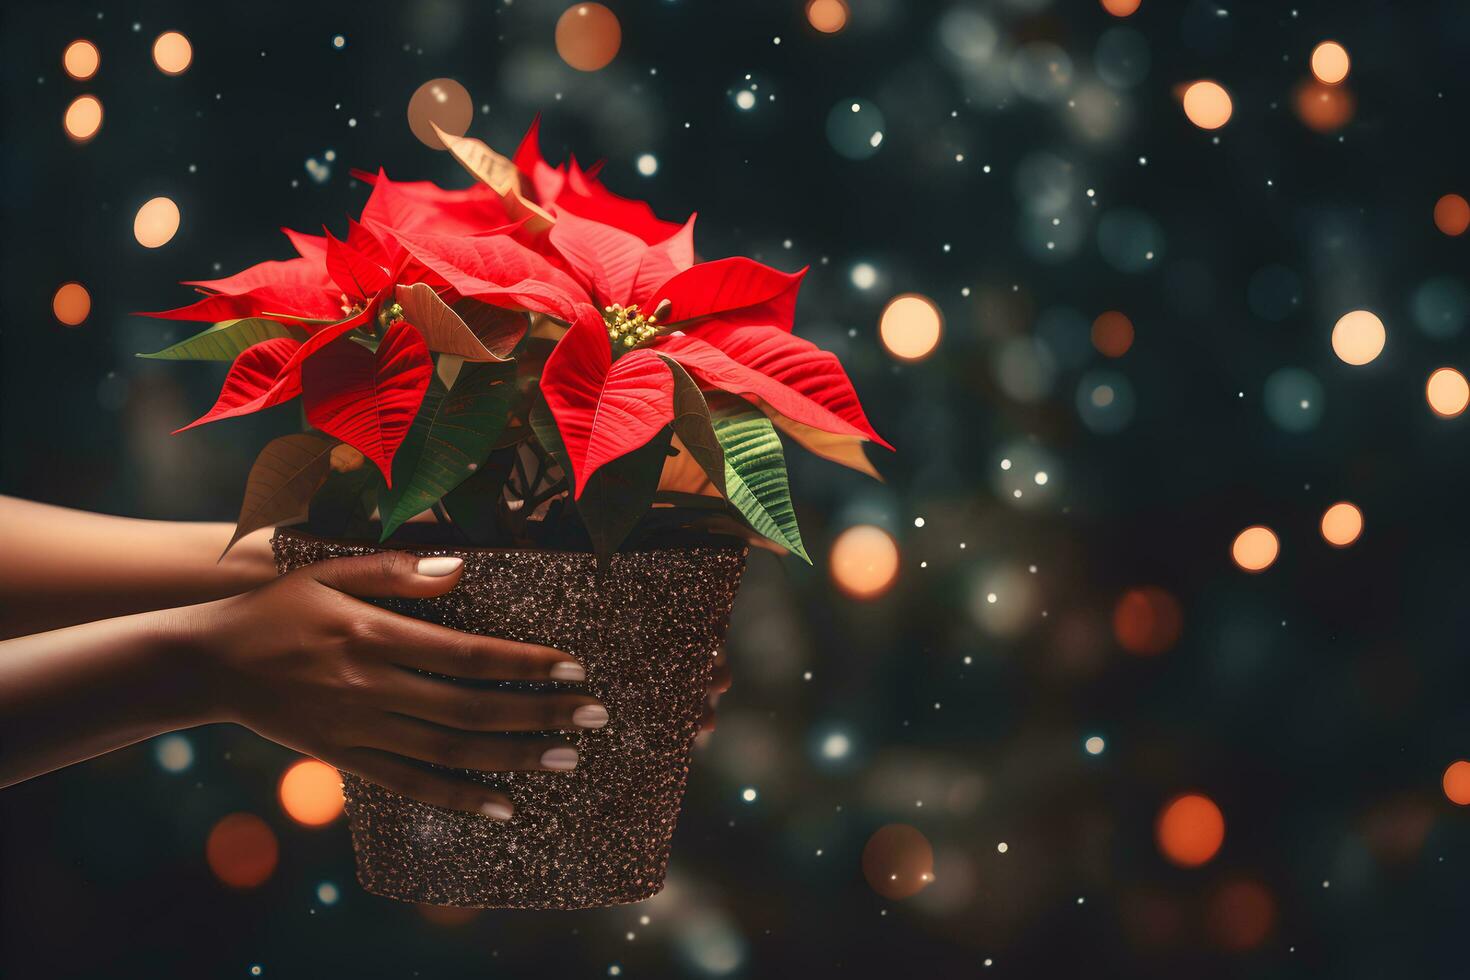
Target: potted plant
537 375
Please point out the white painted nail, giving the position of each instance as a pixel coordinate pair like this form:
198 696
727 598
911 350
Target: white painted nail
559 758
590 716
496 810
440 566
568 670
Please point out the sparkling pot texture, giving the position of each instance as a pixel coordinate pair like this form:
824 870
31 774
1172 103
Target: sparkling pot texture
646 631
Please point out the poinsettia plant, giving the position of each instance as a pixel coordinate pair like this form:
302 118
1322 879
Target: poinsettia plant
531 360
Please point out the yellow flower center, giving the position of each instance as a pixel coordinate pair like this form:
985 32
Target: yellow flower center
390 314
627 327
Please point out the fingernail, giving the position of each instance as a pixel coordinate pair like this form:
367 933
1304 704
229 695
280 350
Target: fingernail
590 716
559 758
496 810
440 566
568 670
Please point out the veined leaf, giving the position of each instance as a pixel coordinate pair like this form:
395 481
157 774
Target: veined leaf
443 329
450 438
618 495
693 426
755 474
286 474
223 341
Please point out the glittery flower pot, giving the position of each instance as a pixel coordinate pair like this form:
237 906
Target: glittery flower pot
598 835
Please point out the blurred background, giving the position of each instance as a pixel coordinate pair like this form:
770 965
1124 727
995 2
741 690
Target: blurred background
1149 656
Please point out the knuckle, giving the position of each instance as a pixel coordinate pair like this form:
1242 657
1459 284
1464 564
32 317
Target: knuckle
391 564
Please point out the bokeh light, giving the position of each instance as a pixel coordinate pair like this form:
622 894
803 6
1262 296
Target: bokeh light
1207 104
898 861
855 128
1447 392
1190 830
80 59
1323 108
1255 549
1457 783
311 793
1121 8
172 53
1242 913
156 222
827 16
1452 214
588 36
242 850
1130 240
864 561
1330 62
1112 334
1358 337
1441 307
71 304
1342 524
83 118
174 753
1147 621
910 326
1105 401
441 102
1294 399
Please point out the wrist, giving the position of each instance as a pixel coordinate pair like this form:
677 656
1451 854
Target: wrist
188 664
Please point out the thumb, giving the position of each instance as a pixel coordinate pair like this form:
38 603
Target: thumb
389 574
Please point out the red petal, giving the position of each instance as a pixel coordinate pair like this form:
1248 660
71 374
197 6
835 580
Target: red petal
369 400
306 302
798 379
604 259
255 381
739 290
312 247
604 408
546 181
500 271
422 206
355 274
662 262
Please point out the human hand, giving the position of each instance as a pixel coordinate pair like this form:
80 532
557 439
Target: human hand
303 661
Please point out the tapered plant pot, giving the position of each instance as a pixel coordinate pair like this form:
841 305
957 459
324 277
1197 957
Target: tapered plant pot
646 631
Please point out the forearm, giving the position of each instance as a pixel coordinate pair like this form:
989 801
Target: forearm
75 693
59 567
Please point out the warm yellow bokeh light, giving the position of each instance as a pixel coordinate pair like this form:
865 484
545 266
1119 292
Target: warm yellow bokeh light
83 118
1324 108
441 102
910 326
1452 214
1342 524
827 16
1330 62
1121 8
1207 104
588 36
864 561
1456 782
71 304
80 59
1358 337
1255 548
156 223
172 53
311 793
1447 392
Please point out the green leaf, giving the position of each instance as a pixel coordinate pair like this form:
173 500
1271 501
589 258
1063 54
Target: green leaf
223 341
755 474
620 493
450 438
543 426
286 475
475 505
693 427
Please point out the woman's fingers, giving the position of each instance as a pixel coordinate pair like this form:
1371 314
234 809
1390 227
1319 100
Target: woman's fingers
441 650
471 709
449 790
388 574
456 749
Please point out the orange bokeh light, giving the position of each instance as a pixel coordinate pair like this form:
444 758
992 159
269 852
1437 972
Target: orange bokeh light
1190 830
80 59
827 16
1342 524
1255 549
311 793
1452 214
588 36
1112 333
1324 108
1457 783
1358 337
83 118
156 222
1447 392
1207 104
242 850
441 102
864 561
1147 621
71 304
1242 914
1121 8
1330 62
898 861
172 53
910 326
